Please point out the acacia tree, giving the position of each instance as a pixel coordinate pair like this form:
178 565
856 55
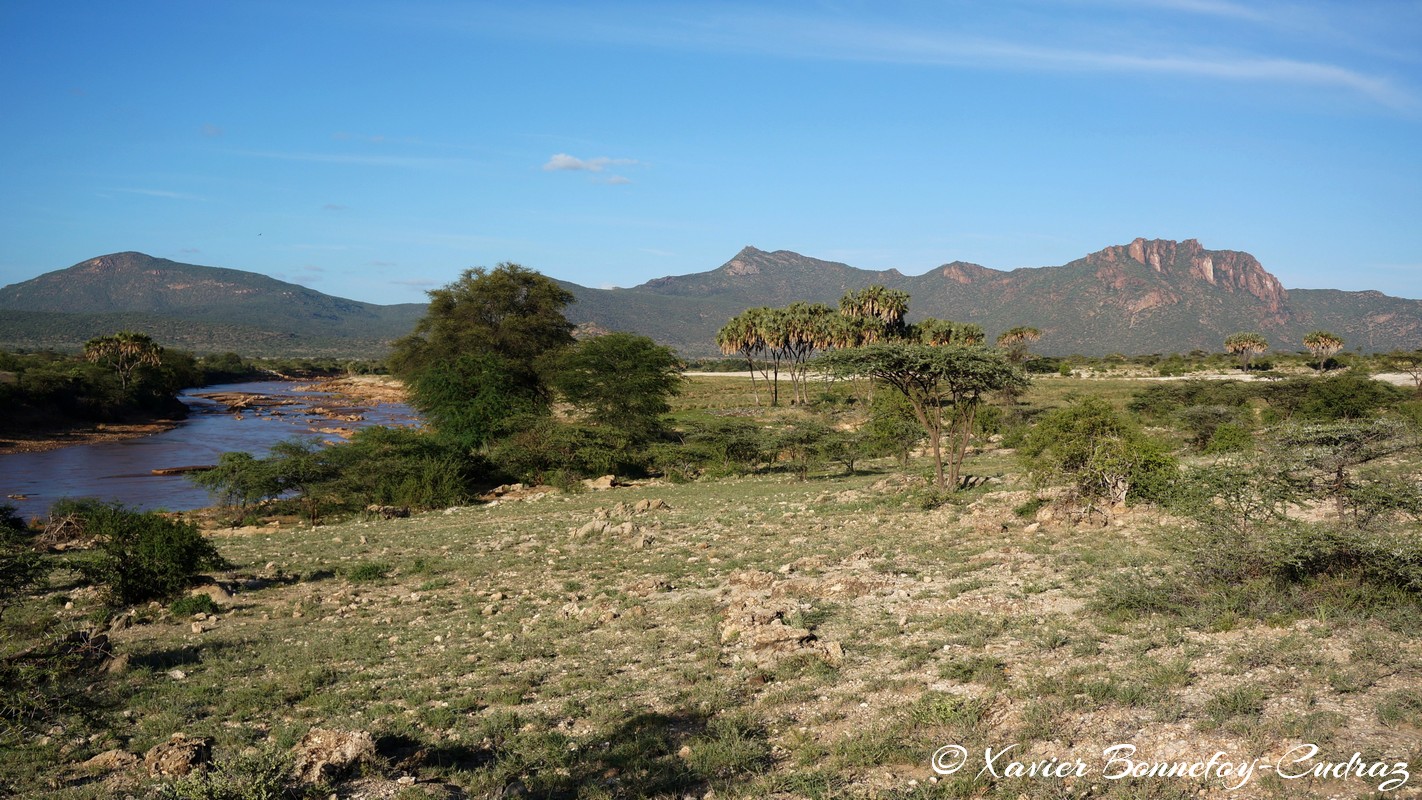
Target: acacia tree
1410 363
1323 345
480 339
1323 457
943 385
124 352
620 381
1246 345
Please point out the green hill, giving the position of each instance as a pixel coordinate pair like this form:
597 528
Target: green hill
194 307
1148 296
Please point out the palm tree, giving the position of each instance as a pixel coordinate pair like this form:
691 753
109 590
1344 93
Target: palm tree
1246 345
1323 345
124 352
885 306
739 335
1015 340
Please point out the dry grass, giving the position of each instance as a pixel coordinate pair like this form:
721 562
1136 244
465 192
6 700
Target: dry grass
520 658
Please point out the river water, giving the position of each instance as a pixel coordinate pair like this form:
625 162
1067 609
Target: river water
122 471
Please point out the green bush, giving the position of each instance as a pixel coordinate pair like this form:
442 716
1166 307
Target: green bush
892 428
260 775
21 568
1352 395
1230 437
547 451
1103 453
193 604
368 571
143 556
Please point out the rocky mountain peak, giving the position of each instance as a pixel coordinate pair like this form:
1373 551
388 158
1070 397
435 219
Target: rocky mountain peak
1228 269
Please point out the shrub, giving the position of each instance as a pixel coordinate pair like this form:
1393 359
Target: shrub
21 568
727 445
260 775
1230 438
368 571
549 451
892 428
1352 395
803 445
143 556
1103 453
193 604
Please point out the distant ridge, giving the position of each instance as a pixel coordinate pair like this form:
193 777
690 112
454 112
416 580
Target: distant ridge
195 307
1146 296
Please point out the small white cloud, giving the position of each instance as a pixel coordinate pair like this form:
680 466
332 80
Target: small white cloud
563 161
211 131
616 180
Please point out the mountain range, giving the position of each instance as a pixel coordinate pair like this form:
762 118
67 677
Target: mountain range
1148 296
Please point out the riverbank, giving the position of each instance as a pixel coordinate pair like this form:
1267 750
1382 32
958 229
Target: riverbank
40 439
39 435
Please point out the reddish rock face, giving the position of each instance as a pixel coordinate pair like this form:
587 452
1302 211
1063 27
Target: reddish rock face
1227 269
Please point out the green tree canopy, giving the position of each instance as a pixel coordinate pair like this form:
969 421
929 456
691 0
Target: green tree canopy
933 379
1323 345
470 361
620 381
510 311
124 352
1246 345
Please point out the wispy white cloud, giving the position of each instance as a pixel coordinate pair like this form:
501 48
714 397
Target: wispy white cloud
563 161
418 283
1041 45
211 131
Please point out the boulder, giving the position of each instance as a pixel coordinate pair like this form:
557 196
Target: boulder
178 756
600 484
325 755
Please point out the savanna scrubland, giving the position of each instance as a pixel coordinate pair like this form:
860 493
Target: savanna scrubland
769 601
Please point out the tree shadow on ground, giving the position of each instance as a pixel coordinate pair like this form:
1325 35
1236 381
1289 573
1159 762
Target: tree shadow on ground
648 754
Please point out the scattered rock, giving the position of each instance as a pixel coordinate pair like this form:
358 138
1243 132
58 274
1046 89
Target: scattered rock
112 761
387 512
178 756
601 484
1033 528
215 590
325 755
656 504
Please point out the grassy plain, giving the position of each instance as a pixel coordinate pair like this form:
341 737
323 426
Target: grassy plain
750 637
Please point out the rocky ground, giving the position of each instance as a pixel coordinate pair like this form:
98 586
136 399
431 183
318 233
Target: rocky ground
756 637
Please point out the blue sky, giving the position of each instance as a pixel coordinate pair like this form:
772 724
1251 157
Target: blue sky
375 149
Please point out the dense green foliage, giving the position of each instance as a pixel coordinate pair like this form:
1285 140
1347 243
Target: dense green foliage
21 568
620 381
144 556
1105 455
378 466
934 380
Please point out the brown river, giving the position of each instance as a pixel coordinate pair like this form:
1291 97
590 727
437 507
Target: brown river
122 470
